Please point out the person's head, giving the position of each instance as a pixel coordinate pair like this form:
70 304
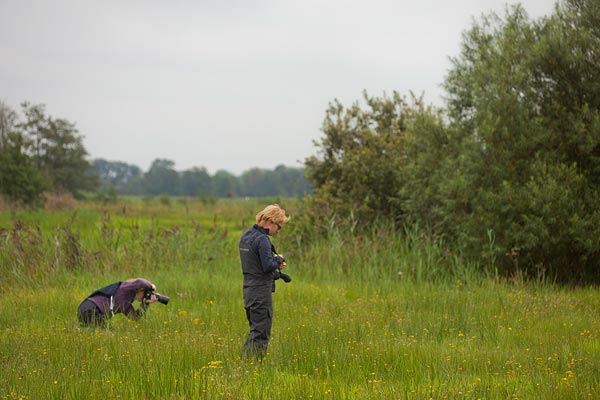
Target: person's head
272 218
141 292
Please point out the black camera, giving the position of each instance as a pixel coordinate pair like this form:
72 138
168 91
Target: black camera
285 277
277 274
160 297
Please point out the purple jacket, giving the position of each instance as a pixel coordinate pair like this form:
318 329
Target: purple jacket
123 298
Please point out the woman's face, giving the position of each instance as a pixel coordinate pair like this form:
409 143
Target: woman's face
273 227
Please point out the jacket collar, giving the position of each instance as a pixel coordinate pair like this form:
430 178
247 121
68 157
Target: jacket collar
261 229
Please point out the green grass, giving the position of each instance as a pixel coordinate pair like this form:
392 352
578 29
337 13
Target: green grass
348 326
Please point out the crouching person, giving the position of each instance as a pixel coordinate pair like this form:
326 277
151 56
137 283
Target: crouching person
117 298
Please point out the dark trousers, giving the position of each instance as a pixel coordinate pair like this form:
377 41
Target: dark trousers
89 314
258 302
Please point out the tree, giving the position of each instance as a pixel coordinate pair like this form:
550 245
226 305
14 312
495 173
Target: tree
195 182
7 121
20 181
57 150
289 181
224 184
510 173
116 173
252 182
357 171
162 178
524 102
282 181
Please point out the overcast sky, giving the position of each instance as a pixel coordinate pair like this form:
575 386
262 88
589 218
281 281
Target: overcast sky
223 84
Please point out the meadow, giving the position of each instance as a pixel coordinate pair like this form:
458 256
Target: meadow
381 316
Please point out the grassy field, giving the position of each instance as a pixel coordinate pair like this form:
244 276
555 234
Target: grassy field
364 318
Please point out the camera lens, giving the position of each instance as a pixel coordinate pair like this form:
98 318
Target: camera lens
162 298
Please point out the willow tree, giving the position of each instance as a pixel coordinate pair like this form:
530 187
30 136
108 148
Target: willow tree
524 103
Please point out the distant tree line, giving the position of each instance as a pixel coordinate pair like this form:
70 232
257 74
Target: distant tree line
162 178
508 173
39 154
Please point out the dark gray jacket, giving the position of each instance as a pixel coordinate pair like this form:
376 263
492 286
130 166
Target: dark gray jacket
258 260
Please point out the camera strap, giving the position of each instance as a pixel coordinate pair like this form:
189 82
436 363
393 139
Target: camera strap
112 312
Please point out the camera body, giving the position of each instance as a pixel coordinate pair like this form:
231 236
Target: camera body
277 274
285 277
160 297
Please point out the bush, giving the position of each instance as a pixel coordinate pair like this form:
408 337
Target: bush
510 177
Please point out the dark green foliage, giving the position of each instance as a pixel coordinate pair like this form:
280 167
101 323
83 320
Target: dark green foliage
115 173
526 99
430 199
40 153
20 181
224 184
282 181
511 177
357 171
57 150
162 178
196 182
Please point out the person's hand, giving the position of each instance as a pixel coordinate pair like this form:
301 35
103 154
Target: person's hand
152 298
278 258
283 264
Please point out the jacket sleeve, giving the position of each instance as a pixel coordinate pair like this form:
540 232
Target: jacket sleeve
267 261
126 296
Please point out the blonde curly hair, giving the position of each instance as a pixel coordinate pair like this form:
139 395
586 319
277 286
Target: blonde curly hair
272 213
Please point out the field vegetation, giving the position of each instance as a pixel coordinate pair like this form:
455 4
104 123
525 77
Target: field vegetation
370 316
444 253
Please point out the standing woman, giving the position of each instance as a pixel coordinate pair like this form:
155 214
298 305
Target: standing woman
259 262
116 298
